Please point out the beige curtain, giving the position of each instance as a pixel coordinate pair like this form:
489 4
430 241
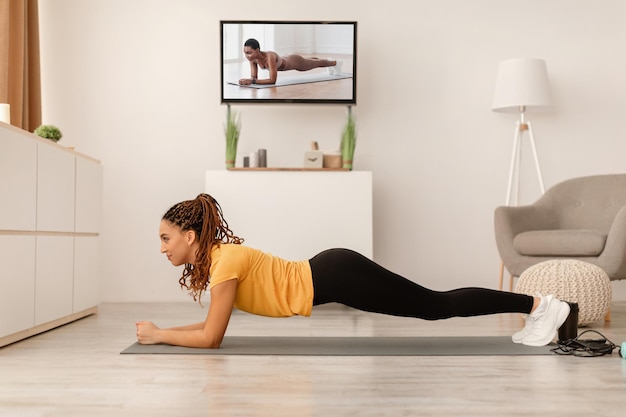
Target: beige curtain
20 79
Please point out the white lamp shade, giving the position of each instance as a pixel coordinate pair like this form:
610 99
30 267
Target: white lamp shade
520 83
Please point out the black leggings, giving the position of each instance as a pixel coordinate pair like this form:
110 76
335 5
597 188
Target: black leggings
346 277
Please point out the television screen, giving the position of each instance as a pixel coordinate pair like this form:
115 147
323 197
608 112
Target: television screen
288 62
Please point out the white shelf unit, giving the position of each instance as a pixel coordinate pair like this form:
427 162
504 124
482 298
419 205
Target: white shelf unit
294 214
50 220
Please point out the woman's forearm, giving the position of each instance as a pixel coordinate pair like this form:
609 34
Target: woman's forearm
195 326
196 338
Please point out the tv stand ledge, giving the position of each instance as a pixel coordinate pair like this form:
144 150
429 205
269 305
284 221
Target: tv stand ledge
288 169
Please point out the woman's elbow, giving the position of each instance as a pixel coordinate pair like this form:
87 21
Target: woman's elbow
212 342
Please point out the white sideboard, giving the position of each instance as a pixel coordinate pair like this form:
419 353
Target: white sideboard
295 214
50 216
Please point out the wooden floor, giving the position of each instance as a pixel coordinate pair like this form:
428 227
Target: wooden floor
77 370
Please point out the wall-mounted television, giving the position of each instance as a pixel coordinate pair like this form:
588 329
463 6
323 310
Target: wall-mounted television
288 62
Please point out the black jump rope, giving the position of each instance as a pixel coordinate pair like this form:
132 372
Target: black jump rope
584 347
571 343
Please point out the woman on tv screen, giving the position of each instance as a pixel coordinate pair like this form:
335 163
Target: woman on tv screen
271 61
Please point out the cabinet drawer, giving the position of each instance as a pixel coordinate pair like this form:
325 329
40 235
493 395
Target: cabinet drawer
88 196
17 283
18 182
86 272
53 278
55 189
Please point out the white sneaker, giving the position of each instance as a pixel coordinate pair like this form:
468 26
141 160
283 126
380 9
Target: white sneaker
330 70
546 322
336 69
517 337
528 325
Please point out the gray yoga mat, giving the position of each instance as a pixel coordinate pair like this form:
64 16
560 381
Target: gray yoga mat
352 346
298 79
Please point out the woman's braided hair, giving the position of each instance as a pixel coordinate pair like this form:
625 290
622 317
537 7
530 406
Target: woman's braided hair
204 216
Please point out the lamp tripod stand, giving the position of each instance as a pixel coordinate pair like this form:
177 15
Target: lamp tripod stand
521 126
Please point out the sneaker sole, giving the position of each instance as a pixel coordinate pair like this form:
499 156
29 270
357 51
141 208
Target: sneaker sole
561 316
518 337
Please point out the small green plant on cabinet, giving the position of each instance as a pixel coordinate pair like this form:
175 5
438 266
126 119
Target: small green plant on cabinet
348 141
232 129
49 132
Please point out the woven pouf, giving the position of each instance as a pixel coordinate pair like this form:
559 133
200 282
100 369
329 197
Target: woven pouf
573 281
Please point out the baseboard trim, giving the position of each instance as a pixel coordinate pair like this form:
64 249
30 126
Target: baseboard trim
24 334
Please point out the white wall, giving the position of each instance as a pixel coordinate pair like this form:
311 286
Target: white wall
136 84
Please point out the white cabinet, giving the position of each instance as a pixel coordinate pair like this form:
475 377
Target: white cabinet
296 214
50 216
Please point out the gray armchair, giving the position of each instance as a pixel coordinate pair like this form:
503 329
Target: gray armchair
581 218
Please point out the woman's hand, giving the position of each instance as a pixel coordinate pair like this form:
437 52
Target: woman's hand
245 81
147 333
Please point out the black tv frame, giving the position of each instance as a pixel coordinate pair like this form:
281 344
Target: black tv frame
287 100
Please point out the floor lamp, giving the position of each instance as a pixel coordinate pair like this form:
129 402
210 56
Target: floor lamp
521 84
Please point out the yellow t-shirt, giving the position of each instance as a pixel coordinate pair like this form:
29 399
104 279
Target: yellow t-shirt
268 286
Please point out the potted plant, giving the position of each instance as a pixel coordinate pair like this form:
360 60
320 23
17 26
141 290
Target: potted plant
49 132
348 141
233 127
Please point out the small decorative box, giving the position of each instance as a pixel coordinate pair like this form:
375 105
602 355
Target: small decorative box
313 159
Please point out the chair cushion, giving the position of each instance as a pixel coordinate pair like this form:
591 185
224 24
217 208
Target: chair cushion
560 242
